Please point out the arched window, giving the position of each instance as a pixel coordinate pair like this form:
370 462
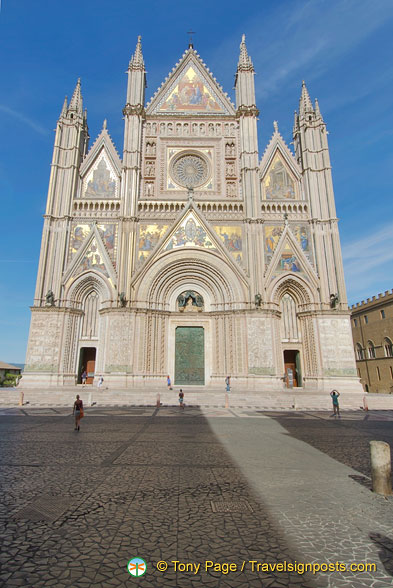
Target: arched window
90 318
289 327
388 347
371 350
359 352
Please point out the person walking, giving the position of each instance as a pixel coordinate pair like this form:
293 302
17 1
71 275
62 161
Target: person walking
84 377
100 382
169 383
228 383
336 409
181 399
78 412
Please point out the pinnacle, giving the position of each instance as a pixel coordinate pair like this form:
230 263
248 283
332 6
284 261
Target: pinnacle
137 59
64 108
76 102
317 111
245 63
305 101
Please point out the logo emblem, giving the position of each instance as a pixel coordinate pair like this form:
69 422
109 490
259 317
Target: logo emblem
136 566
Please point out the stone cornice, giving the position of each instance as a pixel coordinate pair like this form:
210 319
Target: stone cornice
57 309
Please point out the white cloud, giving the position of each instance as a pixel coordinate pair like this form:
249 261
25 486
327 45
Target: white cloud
23 119
298 39
368 263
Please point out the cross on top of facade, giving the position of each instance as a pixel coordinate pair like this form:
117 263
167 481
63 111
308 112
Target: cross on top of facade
190 41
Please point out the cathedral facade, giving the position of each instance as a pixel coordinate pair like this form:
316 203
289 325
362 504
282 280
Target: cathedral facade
191 256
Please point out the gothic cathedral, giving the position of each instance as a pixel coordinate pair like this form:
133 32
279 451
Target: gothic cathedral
191 256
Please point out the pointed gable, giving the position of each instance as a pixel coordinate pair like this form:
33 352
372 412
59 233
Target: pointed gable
289 252
101 169
279 171
192 230
190 89
91 247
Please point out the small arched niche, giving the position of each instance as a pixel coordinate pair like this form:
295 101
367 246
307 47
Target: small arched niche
190 301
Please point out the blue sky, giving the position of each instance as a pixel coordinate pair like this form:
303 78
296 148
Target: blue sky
342 48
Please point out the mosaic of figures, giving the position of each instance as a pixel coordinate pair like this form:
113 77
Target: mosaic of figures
79 232
191 94
278 182
231 236
149 236
288 261
190 234
273 234
195 129
92 260
101 182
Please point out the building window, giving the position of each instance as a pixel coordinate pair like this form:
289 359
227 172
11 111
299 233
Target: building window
388 347
378 374
366 319
355 322
359 352
382 314
371 350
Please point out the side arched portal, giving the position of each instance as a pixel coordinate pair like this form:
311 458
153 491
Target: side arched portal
296 330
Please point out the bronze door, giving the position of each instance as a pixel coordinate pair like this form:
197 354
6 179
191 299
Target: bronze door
190 356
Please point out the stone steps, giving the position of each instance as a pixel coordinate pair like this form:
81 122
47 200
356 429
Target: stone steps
275 400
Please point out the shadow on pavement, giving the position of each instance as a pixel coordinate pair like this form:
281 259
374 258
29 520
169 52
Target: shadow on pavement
385 550
162 488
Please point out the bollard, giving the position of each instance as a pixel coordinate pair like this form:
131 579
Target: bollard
158 403
381 469
21 398
365 405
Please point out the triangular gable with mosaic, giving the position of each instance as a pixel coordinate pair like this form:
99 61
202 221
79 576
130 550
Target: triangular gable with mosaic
190 89
191 230
289 257
91 256
101 169
279 171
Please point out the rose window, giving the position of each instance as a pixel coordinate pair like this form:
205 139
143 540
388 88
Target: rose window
190 170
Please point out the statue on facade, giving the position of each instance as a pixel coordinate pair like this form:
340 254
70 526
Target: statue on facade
258 300
189 298
50 298
122 299
333 300
181 300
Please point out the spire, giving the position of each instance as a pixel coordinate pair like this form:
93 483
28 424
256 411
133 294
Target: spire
305 101
245 63
137 59
76 102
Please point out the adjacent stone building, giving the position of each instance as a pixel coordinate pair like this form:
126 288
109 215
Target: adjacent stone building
372 330
191 255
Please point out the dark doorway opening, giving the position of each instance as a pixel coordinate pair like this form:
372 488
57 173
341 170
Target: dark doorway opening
293 376
87 362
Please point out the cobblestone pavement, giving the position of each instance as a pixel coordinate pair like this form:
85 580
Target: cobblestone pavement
226 486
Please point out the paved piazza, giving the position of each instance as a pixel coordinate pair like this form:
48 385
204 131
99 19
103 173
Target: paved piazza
203 487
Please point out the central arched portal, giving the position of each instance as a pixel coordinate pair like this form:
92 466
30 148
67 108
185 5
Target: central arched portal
189 356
